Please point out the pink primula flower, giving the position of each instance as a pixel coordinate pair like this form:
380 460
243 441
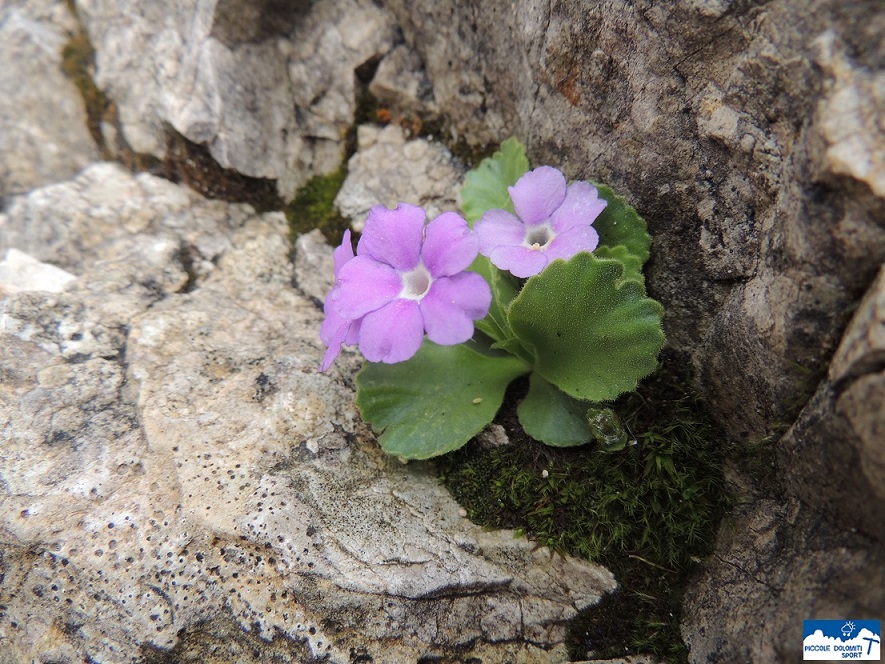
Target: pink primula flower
552 221
407 278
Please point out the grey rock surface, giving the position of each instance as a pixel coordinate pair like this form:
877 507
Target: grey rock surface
833 458
178 479
778 563
816 551
269 87
21 272
748 135
401 82
389 169
43 134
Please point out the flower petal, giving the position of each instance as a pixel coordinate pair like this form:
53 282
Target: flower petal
332 323
364 285
335 331
340 334
577 239
342 253
353 333
394 237
519 261
537 194
393 333
450 246
452 305
497 228
581 206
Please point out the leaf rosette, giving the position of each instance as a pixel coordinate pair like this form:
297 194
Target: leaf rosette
581 325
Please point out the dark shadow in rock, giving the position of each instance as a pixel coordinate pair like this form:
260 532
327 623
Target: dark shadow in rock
249 21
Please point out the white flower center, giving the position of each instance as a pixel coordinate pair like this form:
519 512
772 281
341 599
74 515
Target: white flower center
538 237
416 283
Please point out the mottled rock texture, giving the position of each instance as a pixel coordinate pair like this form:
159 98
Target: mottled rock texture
846 483
37 147
269 86
777 563
388 169
748 135
177 480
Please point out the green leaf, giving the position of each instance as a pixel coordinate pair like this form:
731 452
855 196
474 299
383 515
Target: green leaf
495 323
593 332
515 347
485 187
548 414
435 402
503 288
632 262
619 224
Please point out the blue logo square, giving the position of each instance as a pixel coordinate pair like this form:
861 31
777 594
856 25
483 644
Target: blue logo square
841 640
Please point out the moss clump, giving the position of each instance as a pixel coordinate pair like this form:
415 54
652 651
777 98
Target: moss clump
313 207
646 512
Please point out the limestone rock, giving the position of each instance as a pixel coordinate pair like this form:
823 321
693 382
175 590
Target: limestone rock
99 217
177 478
850 116
312 259
749 137
20 272
778 563
388 169
832 457
269 87
817 552
401 82
43 135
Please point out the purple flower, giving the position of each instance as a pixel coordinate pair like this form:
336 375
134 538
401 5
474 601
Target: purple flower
554 221
406 278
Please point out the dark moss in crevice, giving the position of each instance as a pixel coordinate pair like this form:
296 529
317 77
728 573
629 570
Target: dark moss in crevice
237 22
185 256
470 155
314 207
428 125
647 513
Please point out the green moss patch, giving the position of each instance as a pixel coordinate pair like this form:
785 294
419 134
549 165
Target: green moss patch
314 207
647 512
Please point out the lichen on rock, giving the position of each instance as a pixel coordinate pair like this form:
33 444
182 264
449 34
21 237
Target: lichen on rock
173 459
